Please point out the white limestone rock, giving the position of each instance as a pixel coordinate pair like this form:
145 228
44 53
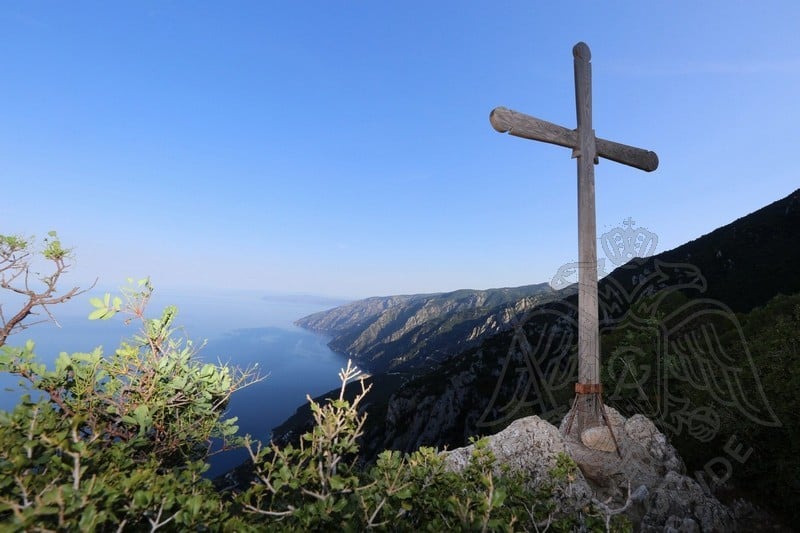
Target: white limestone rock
648 478
529 445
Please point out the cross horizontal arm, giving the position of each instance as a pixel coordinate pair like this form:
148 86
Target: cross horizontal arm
528 127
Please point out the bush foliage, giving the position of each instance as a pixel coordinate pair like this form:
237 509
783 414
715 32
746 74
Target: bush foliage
115 441
121 441
319 485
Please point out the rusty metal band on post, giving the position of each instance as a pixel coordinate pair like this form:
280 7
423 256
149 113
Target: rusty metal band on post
588 388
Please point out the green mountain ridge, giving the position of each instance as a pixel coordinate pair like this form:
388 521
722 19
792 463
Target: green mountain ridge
410 332
467 389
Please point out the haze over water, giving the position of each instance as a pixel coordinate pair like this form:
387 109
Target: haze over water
241 328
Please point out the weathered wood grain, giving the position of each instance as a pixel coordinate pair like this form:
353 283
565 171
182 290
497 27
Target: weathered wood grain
586 152
527 127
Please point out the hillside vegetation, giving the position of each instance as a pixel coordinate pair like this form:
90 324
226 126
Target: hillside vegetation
727 285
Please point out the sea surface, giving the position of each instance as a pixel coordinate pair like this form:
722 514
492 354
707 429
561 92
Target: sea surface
239 327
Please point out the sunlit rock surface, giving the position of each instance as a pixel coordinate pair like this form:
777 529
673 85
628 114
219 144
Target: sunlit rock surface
648 479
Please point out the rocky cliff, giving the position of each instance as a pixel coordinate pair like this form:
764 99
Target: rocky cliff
402 333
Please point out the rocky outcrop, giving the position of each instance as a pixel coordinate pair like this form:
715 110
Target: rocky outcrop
646 480
531 446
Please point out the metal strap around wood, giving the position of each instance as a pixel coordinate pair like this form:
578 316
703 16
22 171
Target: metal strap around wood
588 388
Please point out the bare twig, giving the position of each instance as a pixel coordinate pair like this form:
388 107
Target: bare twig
16 263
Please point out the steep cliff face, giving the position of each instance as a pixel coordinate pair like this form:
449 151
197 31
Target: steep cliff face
403 333
483 389
354 316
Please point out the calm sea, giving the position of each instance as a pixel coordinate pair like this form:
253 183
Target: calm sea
239 327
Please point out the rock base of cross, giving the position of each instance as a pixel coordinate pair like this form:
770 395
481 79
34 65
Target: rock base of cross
589 421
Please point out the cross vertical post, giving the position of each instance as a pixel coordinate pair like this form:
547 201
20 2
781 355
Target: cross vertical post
586 153
588 404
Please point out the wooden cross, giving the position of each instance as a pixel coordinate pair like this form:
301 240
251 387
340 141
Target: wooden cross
586 148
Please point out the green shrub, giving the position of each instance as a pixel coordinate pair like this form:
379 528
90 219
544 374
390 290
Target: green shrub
115 441
318 485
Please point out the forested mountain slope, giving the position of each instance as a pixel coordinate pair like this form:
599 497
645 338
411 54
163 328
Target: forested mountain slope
721 287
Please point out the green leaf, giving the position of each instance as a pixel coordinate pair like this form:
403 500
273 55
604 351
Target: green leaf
207 370
142 415
179 383
101 314
142 498
63 362
96 302
498 497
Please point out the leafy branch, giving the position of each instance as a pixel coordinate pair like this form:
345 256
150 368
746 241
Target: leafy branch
37 292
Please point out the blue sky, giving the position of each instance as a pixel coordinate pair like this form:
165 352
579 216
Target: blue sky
344 148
